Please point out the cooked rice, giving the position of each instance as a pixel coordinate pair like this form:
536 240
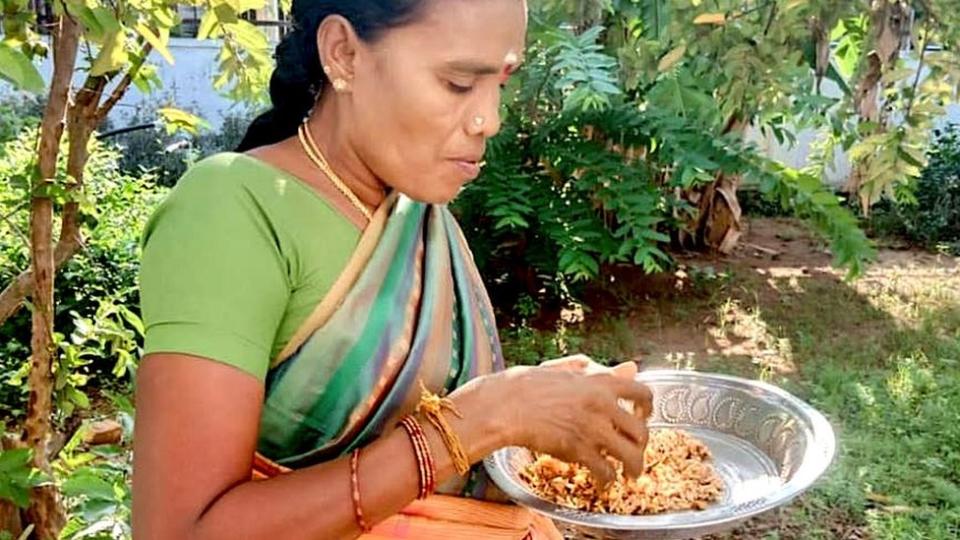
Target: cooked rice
676 477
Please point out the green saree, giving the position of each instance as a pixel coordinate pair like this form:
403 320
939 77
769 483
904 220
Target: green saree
409 307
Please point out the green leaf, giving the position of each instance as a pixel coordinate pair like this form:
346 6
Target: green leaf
249 36
159 42
13 460
113 55
93 30
912 157
177 119
824 198
78 397
85 483
17 476
132 318
107 19
226 14
17 68
208 26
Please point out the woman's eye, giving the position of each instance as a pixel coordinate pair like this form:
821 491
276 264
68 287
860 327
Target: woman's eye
459 89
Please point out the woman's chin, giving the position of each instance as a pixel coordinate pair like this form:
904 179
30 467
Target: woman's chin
441 192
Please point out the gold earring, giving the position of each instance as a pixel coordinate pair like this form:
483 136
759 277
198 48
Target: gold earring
478 121
327 70
339 84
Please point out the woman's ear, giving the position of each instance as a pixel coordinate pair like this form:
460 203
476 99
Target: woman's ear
338 44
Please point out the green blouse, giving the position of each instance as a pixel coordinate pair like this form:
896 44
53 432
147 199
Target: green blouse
235 259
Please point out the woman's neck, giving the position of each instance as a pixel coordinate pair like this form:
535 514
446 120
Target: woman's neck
332 138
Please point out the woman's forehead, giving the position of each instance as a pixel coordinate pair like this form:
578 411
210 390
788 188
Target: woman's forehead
470 32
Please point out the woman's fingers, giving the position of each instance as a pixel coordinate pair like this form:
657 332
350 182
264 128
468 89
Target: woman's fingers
599 466
636 392
626 370
577 363
630 426
618 445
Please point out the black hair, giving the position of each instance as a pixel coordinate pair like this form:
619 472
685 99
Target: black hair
298 76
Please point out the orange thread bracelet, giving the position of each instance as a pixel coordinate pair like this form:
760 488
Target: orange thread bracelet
355 487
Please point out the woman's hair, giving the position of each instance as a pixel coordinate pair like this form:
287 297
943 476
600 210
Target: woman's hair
299 76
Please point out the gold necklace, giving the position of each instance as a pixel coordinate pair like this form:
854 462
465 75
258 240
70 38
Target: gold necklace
313 152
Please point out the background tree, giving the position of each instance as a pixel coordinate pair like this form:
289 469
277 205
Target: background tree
108 43
627 130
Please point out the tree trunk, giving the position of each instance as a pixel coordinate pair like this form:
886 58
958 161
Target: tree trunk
889 21
717 225
85 116
46 512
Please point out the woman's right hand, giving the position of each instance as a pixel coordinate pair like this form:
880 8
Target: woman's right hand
571 410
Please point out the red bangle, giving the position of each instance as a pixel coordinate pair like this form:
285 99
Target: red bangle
425 465
421 449
355 487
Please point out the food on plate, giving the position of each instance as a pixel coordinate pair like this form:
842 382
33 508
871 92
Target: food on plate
677 476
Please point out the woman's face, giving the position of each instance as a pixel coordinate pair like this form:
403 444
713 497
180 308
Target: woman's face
425 97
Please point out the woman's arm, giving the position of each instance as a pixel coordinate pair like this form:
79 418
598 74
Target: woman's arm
196 434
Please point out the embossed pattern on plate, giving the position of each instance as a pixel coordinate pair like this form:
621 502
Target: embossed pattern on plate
768 446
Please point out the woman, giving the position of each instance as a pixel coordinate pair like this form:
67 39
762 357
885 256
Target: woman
308 301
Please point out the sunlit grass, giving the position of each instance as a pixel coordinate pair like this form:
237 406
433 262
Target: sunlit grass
880 357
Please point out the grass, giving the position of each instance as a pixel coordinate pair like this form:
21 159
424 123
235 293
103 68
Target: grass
880 357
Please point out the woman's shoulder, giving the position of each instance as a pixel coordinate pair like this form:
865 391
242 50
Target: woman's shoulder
228 187
240 182
226 171
243 178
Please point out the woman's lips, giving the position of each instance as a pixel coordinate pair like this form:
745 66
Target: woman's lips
470 168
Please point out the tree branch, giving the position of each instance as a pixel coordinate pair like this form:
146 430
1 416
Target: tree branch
17 230
12 297
916 79
773 15
70 241
124 83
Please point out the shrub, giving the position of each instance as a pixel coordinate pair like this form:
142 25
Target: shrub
103 272
167 156
929 213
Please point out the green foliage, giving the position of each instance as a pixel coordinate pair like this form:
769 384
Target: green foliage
16 114
116 40
622 110
96 484
177 120
811 199
928 213
111 334
17 476
96 289
245 62
585 75
16 68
